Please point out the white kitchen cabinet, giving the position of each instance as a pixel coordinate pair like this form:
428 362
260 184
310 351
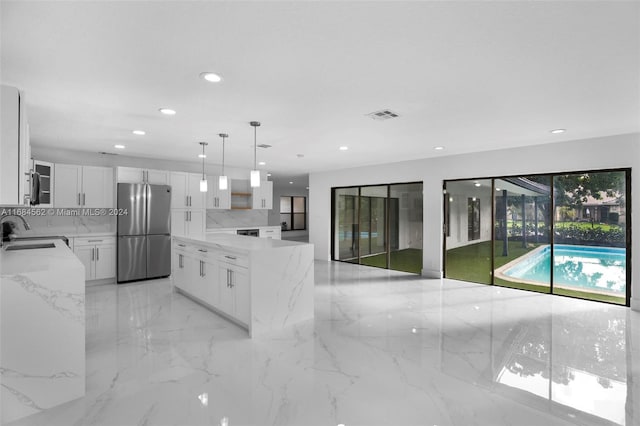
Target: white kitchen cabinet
15 148
219 199
274 232
98 255
83 186
138 175
186 222
185 191
233 283
262 196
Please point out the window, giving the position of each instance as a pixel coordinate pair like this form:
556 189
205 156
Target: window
293 213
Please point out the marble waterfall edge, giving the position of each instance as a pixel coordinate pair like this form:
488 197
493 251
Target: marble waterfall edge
283 291
42 338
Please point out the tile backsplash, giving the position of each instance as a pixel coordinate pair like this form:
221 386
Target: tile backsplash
236 218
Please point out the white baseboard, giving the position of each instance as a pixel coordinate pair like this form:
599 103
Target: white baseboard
635 304
432 273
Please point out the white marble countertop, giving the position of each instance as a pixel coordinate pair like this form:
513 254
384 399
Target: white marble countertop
238 242
234 228
62 232
36 260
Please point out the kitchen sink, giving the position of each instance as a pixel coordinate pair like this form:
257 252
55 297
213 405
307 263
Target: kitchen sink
30 246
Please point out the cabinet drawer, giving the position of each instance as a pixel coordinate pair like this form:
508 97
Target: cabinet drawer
234 258
92 241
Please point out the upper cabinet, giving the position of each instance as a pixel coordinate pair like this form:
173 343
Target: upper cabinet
262 197
15 150
185 192
137 175
218 198
83 186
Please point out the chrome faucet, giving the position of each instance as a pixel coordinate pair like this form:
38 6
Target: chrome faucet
24 222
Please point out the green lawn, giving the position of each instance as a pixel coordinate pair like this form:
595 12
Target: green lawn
473 263
407 260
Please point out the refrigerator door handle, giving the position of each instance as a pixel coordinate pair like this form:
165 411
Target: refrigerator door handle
78 198
97 254
92 254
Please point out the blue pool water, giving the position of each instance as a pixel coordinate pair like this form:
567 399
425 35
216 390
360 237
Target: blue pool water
599 268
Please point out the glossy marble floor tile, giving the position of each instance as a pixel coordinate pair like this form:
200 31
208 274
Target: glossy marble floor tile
385 348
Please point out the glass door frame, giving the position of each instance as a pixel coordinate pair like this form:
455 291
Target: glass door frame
387 223
552 175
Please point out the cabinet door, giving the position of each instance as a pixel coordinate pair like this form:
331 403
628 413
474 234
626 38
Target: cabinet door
179 197
67 185
211 283
256 197
179 273
241 290
226 291
224 197
157 177
130 175
178 222
97 187
267 194
196 223
196 198
191 274
86 254
105 261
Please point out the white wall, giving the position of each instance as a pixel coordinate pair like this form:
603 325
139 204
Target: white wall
587 154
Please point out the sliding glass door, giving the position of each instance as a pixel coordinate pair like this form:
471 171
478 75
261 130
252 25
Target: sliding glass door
379 225
585 256
590 236
522 221
468 230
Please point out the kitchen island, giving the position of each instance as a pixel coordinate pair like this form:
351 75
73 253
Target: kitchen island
42 340
260 284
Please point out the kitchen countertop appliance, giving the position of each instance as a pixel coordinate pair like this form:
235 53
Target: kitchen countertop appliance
249 232
144 231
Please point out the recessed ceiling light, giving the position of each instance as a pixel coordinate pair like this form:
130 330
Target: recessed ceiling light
202 155
139 132
118 146
343 148
477 184
556 131
211 77
497 189
290 183
439 148
261 163
167 111
268 174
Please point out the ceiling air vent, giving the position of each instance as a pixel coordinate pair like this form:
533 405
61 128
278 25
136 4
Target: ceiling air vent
106 153
264 145
383 114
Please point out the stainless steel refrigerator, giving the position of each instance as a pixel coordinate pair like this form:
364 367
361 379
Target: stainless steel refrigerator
144 231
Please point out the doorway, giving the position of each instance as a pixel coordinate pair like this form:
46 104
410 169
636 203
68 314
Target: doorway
378 225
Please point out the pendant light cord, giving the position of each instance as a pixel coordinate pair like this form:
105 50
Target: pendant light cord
255 149
223 155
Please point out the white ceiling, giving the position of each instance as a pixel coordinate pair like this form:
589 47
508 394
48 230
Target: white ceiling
469 76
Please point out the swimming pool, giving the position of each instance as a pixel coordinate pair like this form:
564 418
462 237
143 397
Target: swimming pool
579 267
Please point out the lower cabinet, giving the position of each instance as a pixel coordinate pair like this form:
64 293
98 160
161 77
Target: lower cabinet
98 255
234 291
224 286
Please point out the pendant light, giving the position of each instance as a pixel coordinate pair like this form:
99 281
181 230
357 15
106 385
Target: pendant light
223 183
203 182
255 173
